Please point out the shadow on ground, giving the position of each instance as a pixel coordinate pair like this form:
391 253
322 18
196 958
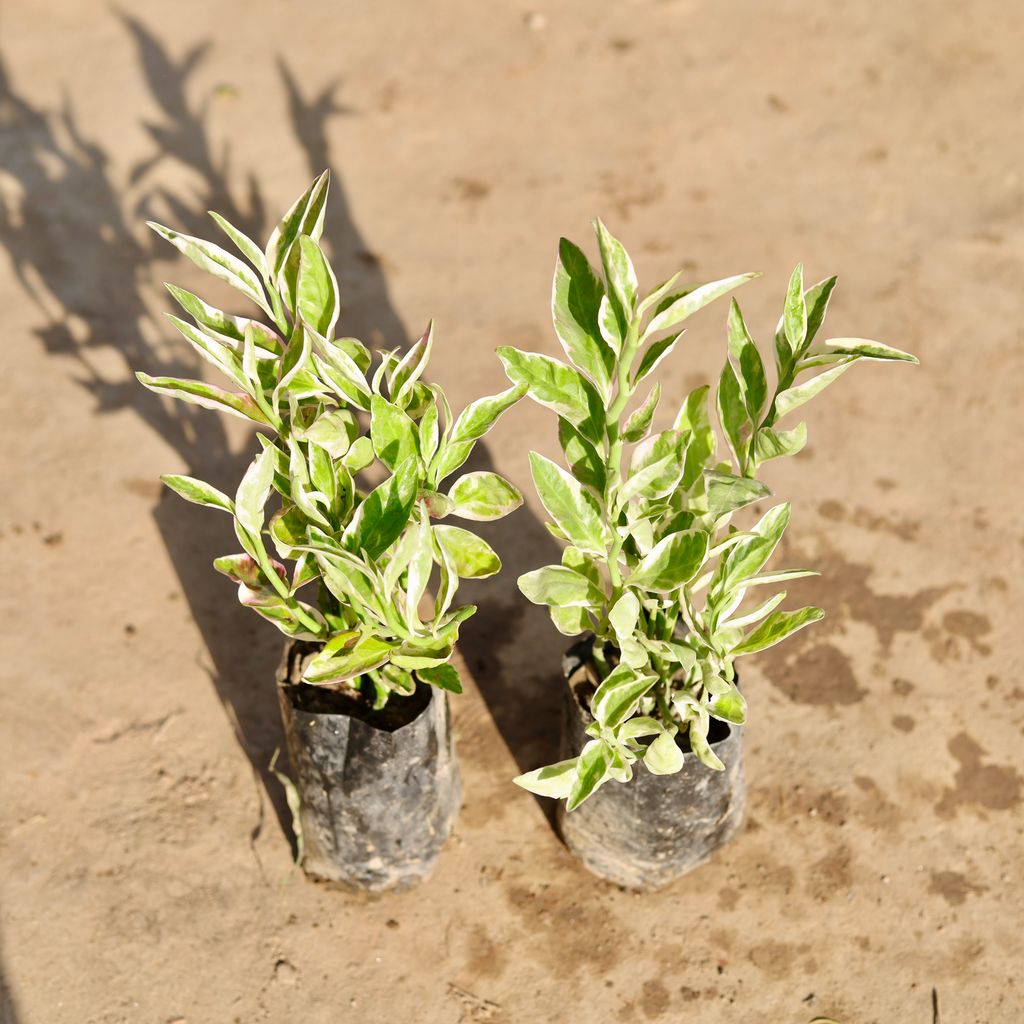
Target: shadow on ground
71 234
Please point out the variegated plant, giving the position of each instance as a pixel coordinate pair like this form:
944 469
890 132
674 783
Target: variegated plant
654 566
326 423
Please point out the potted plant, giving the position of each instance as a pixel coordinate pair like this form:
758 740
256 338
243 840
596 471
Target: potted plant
343 502
655 572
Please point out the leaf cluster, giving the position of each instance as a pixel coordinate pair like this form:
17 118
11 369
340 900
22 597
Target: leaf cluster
331 418
653 565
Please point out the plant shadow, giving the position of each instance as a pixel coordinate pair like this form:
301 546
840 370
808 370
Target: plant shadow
72 242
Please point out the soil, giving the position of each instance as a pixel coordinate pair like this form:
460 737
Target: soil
145 858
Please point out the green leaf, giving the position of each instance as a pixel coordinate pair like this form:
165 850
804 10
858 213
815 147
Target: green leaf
624 615
794 317
243 243
206 315
619 694
671 563
196 392
393 434
639 423
777 627
576 294
655 353
793 398
752 379
772 444
573 509
618 271
688 303
570 621
333 431
700 746
359 456
586 464
554 780
347 656
663 756
748 556
732 413
412 365
727 493
212 351
473 422
446 677
695 418
472 557
591 771
304 218
381 518
216 261
557 585
756 614
421 564
816 301
558 387
862 348
317 290
341 371
483 496
199 492
729 707
254 490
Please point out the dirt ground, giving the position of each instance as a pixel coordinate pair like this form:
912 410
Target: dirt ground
144 866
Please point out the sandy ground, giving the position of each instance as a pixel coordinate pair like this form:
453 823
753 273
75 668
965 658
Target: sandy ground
144 866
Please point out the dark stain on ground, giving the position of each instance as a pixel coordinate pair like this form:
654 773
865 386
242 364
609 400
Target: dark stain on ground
971 626
831 874
902 687
989 786
486 958
953 887
820 674
905 529
654 999
874 809
784 803
727 899
903 722
774 958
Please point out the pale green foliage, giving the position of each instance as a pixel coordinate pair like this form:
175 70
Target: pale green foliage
654 566
328 416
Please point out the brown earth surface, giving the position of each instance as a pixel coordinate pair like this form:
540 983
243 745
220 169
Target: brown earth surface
144 865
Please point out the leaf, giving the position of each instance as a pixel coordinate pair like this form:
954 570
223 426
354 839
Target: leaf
861 348
381 518
570 621
618 271
557 585
342 372
586 464
353 656
333 431
619 694
655 353
777 627
731 413
639 423
254 490
793 398
700 746
212 351
472 556
418 574
750 554
554 780
573 509
206 315
779 576
671 563
727 493
695 417
199 492
216 261
729 707
663 756
794 317
294 801
316 294
757 613
359 456
816 301
752 379
772 444
576 295
243 243
445 677
591 771
412 365
393 434
624 615
473 422
557 387
305 217
196 392
483 496
688 304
